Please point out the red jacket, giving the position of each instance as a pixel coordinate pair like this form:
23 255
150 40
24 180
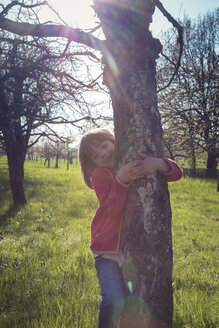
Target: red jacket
111 192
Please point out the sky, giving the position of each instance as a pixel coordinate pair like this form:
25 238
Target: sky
178 8
80 14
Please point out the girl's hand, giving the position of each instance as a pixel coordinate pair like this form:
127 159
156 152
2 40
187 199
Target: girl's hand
126 173
150 165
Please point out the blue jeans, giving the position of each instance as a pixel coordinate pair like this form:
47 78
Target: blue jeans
113 291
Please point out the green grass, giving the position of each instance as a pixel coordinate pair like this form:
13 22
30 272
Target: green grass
47 274
195 210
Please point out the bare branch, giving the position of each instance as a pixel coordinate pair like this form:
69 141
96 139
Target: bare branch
168 59
180 39
61 120
51 30
57 14
17 3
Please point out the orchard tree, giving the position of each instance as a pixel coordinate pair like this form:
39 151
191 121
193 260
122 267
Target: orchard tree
47 152
129 57
34 152
37 93
174 142
179 135
58 151
192 98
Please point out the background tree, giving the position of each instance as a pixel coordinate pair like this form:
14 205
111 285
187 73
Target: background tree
34 152
129 54
67 152
58 151
40 87
174 142
178 136
192 98
47 152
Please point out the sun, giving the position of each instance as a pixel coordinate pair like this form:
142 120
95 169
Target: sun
77 13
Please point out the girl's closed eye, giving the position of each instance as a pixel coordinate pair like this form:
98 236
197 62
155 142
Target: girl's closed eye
103 145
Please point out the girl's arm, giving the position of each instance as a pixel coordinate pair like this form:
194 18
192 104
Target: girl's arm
110 190
167 167
175 172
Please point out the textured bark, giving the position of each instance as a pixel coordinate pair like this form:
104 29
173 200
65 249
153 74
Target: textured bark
146 238
212 165
16 177
16 151
191 154
57 162
49 30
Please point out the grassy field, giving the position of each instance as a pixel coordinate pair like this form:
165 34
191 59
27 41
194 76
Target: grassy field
47 275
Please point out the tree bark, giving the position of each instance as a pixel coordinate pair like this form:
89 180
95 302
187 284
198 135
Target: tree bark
146 237
212 165
191 155
16 178
57 162
68 164
16 152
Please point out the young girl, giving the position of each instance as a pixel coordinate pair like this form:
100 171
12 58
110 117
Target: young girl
111 184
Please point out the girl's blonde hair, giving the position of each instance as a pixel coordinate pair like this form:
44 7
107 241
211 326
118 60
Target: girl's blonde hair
90 139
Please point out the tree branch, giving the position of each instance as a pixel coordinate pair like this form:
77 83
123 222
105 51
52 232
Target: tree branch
22 5
51 30
159 5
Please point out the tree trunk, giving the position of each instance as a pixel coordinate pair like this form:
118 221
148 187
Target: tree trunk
168 147
57 162
212 165
68 164
191 156
146 237
191 146
16 178
16 151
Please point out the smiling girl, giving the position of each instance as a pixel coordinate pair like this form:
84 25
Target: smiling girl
111 184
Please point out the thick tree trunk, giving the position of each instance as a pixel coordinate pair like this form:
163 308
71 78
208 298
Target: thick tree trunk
16 151
212 165
146 238
16 178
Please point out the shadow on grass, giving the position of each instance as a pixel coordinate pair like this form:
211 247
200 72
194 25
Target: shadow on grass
33 190
10 212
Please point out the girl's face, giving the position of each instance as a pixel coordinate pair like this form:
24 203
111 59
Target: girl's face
103 155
